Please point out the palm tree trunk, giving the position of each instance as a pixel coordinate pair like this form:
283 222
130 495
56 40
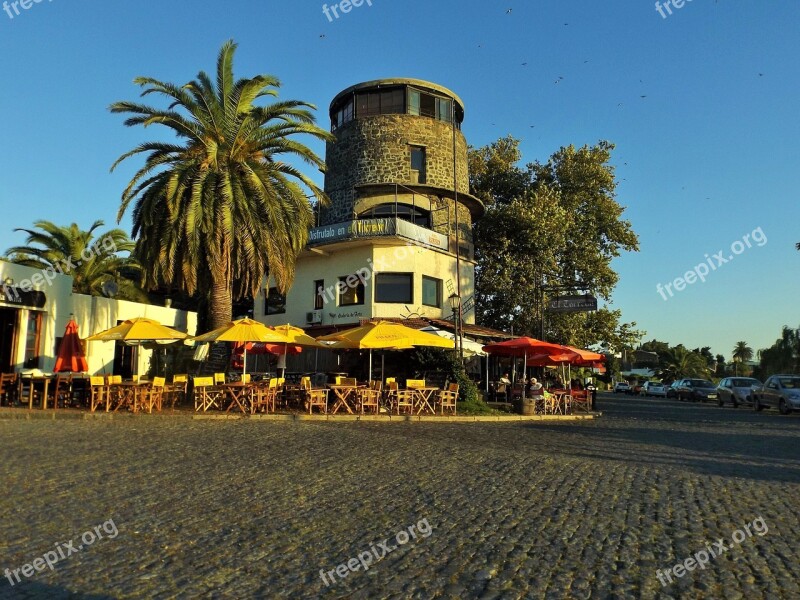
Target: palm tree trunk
221 309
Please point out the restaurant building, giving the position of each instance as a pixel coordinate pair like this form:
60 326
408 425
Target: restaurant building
35 309
396 239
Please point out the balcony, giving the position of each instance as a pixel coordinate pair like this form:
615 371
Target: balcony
385 227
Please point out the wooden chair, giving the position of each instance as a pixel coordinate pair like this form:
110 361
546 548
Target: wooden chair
404 400
370 398
206 395
390 393
581 401
153 395
447 398
245 377
351 381
265 396
99 393
8 388
176 390
219 378
415 383
62 389
314 397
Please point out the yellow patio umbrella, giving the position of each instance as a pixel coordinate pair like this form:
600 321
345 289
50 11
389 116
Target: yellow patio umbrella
297 337
243 331
139 329
383 335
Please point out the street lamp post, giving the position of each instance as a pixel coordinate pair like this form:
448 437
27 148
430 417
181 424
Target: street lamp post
455 304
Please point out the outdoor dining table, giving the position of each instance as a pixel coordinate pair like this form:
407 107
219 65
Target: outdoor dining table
344 395
422 399
129 393
240 395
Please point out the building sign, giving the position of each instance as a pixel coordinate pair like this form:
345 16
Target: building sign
563 304
10 294
367 228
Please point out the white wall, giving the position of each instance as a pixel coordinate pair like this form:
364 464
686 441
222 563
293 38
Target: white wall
373 257
93 314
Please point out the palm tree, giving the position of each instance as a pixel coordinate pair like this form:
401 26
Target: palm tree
679 363
220 210
741 353
91 260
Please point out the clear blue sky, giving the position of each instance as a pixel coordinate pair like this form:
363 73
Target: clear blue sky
709 155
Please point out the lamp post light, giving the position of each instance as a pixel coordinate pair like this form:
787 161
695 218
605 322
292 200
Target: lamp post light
455 304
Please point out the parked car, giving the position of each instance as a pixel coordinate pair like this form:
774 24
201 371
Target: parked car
622 386
636 389
697 390
736 390
654 388
672 390
779 391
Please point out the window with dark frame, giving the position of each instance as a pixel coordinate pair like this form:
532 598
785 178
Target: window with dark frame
351 290
319 294
395 288
431 291
274 302
418 163
33 338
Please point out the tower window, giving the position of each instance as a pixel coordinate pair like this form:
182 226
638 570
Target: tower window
418 174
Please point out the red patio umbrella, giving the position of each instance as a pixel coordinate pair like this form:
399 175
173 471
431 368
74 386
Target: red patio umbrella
70 355
525 347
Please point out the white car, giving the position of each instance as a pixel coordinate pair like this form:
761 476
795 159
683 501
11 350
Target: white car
622 386
654 388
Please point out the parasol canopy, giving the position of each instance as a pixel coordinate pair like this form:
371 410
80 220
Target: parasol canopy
139 329
70 355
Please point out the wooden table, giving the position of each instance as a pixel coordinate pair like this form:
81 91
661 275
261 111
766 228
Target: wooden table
240 394
31 381
344 393
422 399
129 393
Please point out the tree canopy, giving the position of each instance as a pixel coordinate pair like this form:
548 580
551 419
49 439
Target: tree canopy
218 211
547 226
90 257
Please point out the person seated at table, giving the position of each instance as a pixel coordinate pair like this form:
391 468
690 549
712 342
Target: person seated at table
533 388
505 380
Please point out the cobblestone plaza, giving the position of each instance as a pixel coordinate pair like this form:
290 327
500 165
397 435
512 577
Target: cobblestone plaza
247 509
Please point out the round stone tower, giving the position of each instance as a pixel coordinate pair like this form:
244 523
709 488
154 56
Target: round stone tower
399 152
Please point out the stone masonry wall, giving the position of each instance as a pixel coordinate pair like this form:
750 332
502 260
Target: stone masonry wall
377 150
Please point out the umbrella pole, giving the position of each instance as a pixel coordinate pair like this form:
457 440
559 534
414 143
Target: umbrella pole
383 356
244 362
525 367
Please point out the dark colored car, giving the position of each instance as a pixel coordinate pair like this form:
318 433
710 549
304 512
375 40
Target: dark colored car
672 390
779 391
736 390
697 390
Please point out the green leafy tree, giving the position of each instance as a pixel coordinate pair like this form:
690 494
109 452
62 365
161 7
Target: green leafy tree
550 224
741 353
224 207
783 356
90 257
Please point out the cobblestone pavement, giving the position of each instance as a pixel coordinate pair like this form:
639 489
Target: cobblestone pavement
238 509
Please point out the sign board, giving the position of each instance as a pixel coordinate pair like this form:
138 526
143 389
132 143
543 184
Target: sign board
564 304
367 228
16 296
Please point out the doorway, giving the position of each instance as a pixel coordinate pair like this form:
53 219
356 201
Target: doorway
8 338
